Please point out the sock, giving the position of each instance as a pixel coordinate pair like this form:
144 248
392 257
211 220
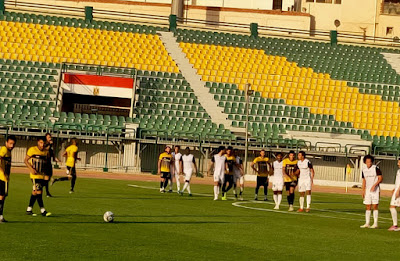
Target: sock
185 186
367 216
256 192
275 199
216 191
279 199
73 180
375 214
62 179
1 207
161 185
241 191
42 210
178 183
39 198
170 184
46 186
32 201
288 199
308 201
393 211
188 188
301 200
234 189
29 209
165 183
292 199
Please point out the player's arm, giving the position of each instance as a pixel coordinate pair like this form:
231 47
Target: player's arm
194 165
284 171
252 165
211 167
159 166
379 181
26 161
312 172
363 185
181 166
76 156
65 154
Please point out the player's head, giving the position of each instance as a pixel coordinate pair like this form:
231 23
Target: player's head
279 156
49 138
369 160
301 155
235 152
229 150
168 149
262 153
292 155
221 150
177 148
40 143
187 151
74 141
10 142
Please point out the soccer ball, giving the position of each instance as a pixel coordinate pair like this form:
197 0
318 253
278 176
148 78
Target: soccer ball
108 216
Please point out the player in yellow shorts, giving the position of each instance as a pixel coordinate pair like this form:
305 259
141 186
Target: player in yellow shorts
71 153
36 160
290 173
165 161
5 171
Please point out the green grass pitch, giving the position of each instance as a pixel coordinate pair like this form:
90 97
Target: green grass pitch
154 226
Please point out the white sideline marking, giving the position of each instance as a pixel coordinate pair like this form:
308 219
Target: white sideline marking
239 204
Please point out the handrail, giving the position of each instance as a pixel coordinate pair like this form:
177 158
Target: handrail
328 143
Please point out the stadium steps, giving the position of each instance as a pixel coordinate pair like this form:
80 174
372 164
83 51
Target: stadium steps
209 104
394 60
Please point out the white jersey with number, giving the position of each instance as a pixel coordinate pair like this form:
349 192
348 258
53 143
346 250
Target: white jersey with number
177 159
305 167
219 166
278 174
371 177
188 161
396 201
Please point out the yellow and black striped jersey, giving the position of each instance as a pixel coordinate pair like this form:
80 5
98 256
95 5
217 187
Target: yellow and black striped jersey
5 163
290 168
231 162
166 160
38 160
263 167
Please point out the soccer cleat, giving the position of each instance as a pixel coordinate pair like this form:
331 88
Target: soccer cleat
365 226
170 191
2 220
393 228
190 195
71 191
241 198
307 210
374 226
256 198
276 207
291 208
300 210
49 195
180 193
265 199
224 197
30 213
46 214
215 199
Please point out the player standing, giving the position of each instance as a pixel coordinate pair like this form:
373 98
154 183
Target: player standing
238 175
395 201
218 163
231 163
49 168
36 160
290 172
372 177
188 164
261 166
71 153
165 161
177 157
306 178
277 180
5 171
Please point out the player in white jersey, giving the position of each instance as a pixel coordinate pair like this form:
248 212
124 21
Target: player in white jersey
277 180
189 165
306 178
395 201
218 163
177 170
372 177
238 175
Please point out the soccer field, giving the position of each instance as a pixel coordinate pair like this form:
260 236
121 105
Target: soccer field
153 226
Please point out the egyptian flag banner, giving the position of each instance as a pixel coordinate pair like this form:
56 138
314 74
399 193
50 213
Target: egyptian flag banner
109 86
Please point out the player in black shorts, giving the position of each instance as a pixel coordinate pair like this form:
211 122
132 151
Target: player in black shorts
165 161
5 171
290 173
49 168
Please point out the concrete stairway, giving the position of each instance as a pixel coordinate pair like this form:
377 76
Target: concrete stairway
205 98
394 60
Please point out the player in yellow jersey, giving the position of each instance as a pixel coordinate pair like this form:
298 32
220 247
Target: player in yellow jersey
36 160
229 172
71 154
5 171
165 161
263 169
290 173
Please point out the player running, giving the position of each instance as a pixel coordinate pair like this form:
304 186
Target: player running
218 163
277 180
189 165
231 164
238 175
290 172
261 166
5 171
177 170
49 168
372 177
306 178
395 201
71 153
165 162
36 160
